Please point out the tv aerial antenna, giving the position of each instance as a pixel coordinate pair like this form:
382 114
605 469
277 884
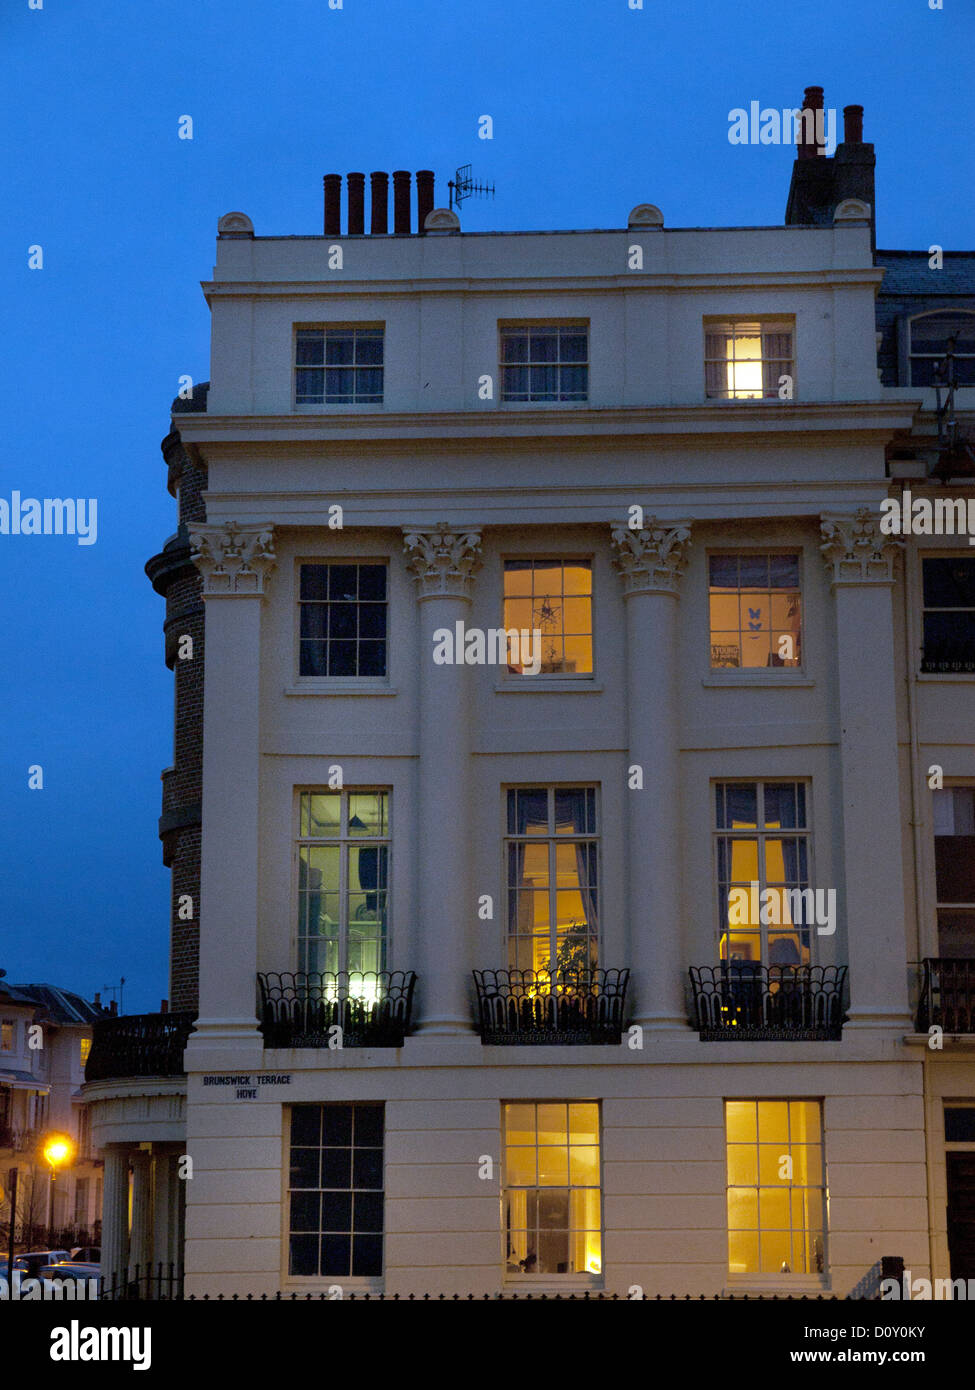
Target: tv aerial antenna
463 185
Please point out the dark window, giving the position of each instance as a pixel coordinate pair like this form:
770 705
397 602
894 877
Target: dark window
343 620
954 868
339 366
960 1124
545 362
949 614
930 334
336 1190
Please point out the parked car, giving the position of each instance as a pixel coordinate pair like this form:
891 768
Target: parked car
87 1254
33 1260
73 1269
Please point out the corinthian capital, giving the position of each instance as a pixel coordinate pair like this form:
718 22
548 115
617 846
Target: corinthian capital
651 561
233 559
443 561
855 550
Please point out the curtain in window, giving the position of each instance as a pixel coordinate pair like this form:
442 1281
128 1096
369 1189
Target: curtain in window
776 360
716 372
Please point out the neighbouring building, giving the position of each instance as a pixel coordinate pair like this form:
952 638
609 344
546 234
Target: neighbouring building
45 1038
571 822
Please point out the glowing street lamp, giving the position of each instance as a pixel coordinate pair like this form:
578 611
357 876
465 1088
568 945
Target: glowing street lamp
58 1150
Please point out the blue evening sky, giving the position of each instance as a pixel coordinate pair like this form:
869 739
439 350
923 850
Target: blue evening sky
596 107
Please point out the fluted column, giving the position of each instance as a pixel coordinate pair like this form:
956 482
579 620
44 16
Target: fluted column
115 1216
140 1243
235 562
860 565
650 562
443 562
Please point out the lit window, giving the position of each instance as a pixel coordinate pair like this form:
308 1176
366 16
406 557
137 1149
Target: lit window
339 366
552 856
336 1190
745 361
85 1049
776 1187
545 363
343 613
7 1035
954 867
756 610
343 890
762 843
554 599
949 614
552 1222
929 339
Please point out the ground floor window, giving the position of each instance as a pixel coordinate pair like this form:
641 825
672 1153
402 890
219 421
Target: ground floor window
336 1190
776 1187
551 1201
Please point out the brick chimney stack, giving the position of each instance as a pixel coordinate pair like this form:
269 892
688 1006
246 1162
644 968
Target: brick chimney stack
820 182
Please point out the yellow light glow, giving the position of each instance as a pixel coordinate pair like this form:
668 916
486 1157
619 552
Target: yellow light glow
58 1149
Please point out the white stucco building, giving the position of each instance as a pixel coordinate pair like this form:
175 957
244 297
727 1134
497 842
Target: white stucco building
625 1059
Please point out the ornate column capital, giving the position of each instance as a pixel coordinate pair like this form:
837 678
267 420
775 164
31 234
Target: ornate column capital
854 549
233 559
651 561
443 560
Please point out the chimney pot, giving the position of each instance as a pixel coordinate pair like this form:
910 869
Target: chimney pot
357 203
164 1006
333 204
379 199
401 200
807 137
424 197
853 125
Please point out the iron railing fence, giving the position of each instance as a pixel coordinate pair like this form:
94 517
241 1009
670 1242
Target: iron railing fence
948 655
138 1045
570 1006
304 1008
947 997
752 1003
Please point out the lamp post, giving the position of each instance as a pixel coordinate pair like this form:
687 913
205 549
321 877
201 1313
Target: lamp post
58 1149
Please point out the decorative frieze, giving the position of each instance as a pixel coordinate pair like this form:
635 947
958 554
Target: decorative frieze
443 560
855 550
233 559
651 560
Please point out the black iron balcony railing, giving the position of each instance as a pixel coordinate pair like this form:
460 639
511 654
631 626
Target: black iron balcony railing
138 1045
303 1008
949 655
947 995
530 1007
755 1003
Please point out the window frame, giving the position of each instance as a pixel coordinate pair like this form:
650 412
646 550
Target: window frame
545 679
733 326
338 326
909 355
758 674
551 839
954 785
314 1281
340 685
761 834
582 325
768 1279
343 842
580 1278
939 553
10 1023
